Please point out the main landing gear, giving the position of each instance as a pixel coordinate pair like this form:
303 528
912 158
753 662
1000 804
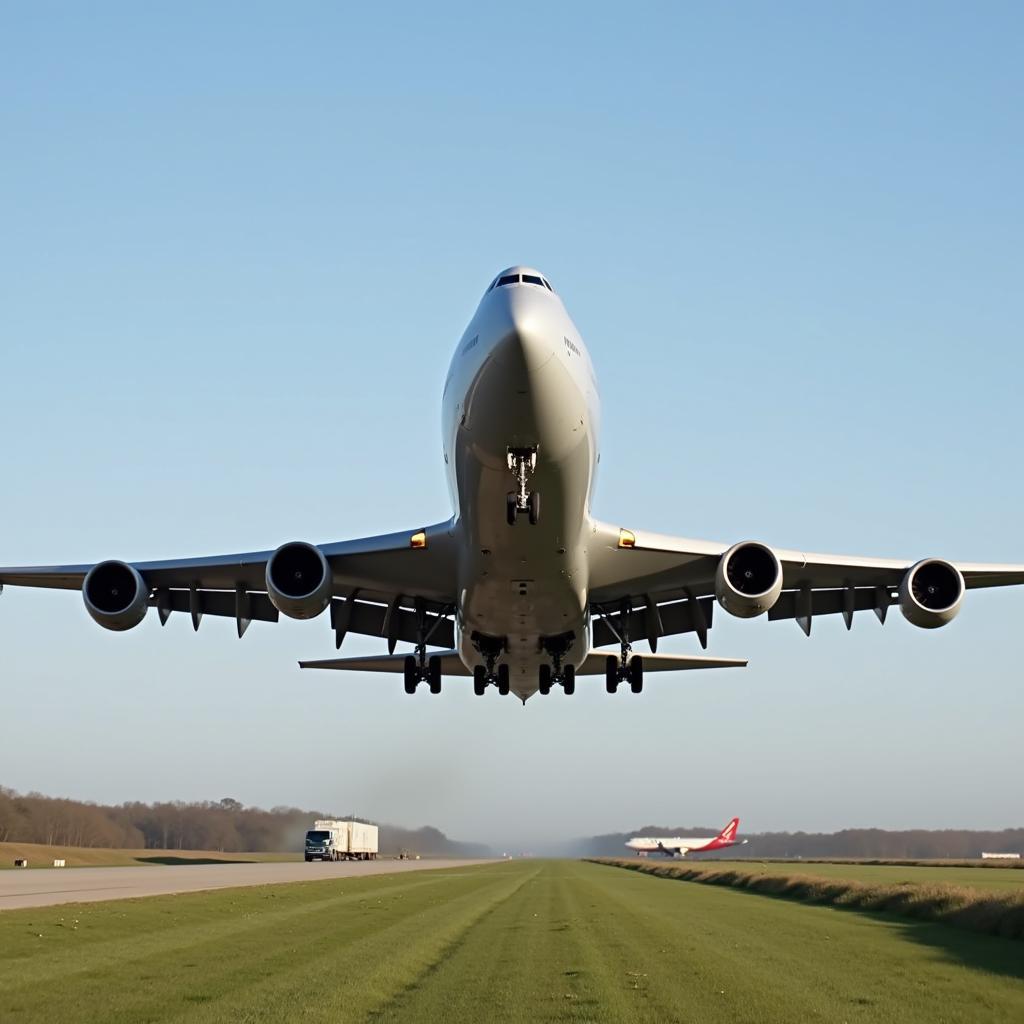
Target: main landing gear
627 667
500 678
521 463
557 647
490 672
617 672
566 676
416 672
418 667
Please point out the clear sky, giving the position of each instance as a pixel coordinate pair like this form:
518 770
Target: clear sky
238 243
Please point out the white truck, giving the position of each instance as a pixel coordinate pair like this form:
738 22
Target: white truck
341 840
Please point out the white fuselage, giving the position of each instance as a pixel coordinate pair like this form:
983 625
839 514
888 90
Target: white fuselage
521 378
673 845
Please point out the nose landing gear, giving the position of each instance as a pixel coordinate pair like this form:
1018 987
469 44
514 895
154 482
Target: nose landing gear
521 463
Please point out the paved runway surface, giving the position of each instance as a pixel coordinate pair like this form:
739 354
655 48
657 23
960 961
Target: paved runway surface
43 887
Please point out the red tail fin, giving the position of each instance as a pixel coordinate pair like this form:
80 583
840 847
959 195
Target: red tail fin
728 834
724 838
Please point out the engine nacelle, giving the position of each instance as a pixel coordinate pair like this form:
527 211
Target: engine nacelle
115 595
748 580
299 581
931 593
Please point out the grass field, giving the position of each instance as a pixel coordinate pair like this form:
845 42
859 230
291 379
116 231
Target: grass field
992 911
40 856
520 942
974 878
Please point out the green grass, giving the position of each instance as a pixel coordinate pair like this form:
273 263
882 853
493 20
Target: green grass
992 911
519 942
40 856
974 878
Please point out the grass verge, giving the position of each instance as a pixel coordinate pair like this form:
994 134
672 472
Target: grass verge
40 856
515 943
884 873
986 911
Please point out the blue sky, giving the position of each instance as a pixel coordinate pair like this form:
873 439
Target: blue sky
239 246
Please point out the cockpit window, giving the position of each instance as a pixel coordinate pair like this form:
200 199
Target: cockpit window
533 279
508 279
546 285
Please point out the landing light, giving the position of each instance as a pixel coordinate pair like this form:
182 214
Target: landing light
418 540
626 539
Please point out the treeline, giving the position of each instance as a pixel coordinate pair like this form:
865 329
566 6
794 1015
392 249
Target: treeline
223 825
913 844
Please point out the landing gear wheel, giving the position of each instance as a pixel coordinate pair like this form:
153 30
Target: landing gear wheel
636 673
569 680
534 508
504 683
412 676
434 674
544 682
511 509
479 680
611 673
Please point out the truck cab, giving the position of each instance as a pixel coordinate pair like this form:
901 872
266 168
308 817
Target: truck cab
320 845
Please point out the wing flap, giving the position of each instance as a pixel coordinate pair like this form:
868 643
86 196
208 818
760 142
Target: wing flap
832 602
671 619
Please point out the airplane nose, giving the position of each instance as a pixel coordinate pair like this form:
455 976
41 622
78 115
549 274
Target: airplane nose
526 343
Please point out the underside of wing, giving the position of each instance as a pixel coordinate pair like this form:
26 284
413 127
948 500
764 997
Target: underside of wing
399 586
646 585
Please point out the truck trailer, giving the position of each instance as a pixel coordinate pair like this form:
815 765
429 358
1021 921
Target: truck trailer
362 841
329 839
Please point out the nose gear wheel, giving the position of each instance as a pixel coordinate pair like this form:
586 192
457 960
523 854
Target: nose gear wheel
521 463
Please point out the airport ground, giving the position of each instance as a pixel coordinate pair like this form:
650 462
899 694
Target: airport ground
517 941
19 889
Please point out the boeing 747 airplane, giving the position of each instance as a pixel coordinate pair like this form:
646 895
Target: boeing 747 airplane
673 846
522 588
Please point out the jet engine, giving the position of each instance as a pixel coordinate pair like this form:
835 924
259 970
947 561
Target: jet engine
115 595
748 580
299 581
931 593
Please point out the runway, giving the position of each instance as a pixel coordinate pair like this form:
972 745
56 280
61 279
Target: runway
44 887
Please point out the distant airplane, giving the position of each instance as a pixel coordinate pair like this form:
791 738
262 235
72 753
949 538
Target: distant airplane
515 599
672 846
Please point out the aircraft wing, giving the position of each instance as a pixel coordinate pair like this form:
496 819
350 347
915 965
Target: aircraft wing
668 584
451 664
379 584
593 664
